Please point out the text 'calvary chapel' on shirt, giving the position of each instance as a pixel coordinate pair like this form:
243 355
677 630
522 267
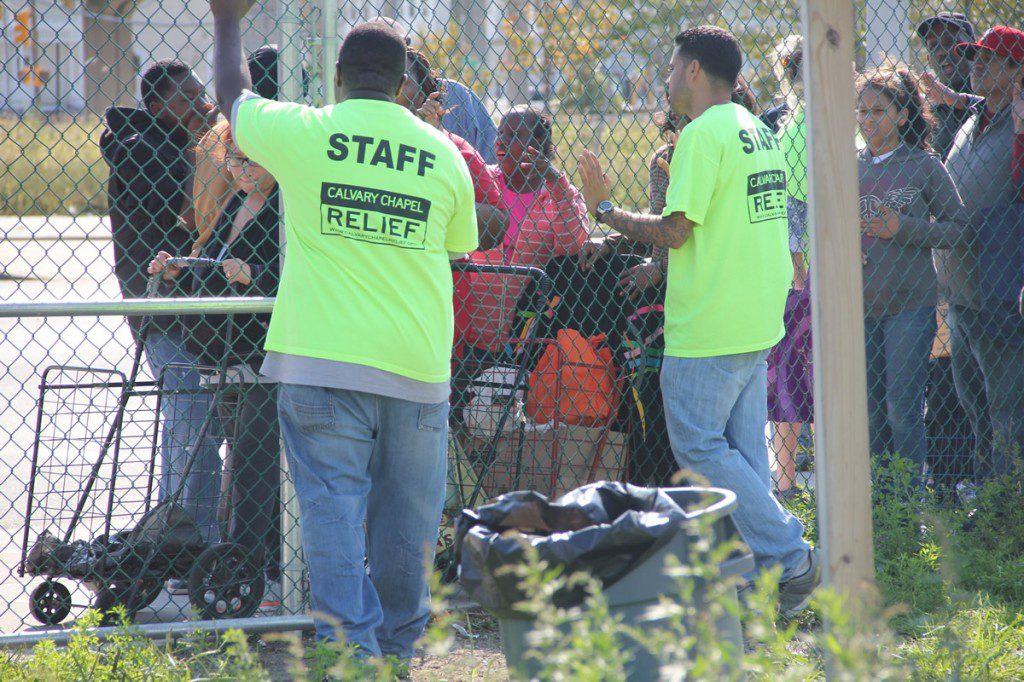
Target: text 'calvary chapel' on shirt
728 283
374 201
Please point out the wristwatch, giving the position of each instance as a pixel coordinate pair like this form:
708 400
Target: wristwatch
603 209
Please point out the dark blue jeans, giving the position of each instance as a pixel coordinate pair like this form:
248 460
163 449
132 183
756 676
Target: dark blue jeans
898 349
249 418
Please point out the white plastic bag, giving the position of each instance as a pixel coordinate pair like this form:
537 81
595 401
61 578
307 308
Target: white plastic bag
492 392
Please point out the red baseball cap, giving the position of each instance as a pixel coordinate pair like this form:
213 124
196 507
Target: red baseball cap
1003 40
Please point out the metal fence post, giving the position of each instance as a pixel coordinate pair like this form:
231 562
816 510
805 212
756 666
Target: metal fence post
329 49
291 539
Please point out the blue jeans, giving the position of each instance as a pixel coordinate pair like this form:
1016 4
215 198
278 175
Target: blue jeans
183 415
717 409
356 456
988 371
898 350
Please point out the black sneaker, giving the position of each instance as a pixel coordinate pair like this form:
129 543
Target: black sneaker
794 493
795 594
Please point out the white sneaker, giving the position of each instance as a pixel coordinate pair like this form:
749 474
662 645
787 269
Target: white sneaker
271 596
967 492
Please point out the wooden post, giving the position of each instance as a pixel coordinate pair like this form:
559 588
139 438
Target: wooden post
840 397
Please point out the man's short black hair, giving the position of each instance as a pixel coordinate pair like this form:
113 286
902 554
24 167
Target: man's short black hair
716 49
264 69
400 29
372 58
161 78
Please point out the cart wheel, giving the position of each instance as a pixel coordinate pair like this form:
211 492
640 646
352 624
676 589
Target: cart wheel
224 583
50 603
132 596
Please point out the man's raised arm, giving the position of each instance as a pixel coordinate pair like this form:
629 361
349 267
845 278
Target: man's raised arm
669 232
230 75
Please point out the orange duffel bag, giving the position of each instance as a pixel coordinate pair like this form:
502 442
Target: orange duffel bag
574 382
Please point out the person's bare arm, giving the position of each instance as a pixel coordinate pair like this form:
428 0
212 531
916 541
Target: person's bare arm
493 223
669 231
230 75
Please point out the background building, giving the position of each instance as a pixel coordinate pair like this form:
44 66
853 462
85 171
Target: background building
69 55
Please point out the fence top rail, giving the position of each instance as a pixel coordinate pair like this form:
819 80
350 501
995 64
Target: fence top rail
138 307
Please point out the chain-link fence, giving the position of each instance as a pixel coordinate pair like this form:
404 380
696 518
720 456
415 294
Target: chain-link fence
555 371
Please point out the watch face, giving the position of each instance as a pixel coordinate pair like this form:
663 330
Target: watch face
605 206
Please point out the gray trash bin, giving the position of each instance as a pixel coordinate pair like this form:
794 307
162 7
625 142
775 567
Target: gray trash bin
631 596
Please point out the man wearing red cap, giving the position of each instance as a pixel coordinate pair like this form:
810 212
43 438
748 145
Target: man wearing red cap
987 335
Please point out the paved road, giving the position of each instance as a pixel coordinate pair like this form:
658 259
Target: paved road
60 259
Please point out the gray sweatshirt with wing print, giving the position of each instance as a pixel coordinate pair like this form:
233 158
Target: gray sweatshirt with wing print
898 272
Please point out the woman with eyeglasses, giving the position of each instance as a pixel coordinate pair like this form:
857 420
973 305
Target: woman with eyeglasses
244 243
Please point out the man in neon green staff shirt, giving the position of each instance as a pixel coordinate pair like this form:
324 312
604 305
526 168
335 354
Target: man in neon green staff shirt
376 202
728 275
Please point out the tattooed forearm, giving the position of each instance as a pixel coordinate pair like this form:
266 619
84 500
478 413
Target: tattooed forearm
660 256
669 232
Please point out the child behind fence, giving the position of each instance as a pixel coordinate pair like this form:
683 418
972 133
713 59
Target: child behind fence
908 205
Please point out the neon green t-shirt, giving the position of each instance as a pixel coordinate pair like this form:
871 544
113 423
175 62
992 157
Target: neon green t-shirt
727 285
374 201
793 138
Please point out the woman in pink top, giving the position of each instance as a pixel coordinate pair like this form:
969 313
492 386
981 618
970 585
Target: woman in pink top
547 219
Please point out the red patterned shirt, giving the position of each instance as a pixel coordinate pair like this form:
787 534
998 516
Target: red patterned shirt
555 225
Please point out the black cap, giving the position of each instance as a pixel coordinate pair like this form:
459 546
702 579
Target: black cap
951 19
263 70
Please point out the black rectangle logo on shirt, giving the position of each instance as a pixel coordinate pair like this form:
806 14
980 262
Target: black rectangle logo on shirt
373 215
766 196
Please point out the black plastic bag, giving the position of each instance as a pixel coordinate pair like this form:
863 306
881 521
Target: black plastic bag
168 527
603 529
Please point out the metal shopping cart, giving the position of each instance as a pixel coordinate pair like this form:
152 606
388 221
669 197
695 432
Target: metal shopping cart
494 447
93 468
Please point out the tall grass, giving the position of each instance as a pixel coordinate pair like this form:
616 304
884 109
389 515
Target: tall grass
52 165
624 141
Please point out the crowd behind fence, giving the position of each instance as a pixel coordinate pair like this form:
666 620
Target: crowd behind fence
559 322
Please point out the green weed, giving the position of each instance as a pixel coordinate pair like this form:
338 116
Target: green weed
949 608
